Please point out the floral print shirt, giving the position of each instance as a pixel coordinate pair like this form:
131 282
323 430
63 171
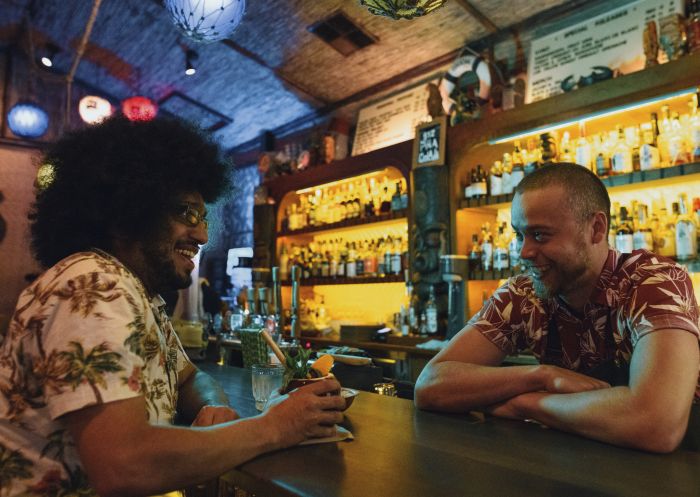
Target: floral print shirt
84 333
636 294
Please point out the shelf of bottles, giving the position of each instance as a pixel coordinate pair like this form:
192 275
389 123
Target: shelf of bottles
348 232
370 198
648 155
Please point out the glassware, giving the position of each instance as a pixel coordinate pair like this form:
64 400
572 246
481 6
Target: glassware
266 378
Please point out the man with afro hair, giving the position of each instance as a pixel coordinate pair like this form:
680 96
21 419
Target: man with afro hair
92 375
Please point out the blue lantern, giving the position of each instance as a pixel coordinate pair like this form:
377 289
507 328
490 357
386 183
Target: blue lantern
28 120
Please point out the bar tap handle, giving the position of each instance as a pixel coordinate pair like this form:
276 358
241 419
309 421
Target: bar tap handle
277 297
295 273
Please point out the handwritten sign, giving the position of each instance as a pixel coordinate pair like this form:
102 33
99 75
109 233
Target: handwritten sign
611 40
429 143
391 121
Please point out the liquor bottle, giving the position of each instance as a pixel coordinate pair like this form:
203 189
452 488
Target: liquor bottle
284 263
431 313
621 153
474 257
500 251
602 161
496 179
624 241
548 147
388 245
642 237
532 157
566 153
686 232
486 250
694 123
360 260
480 189
385 205
404 194
351 263
507 183
396 257
514 252
665 237
396 198
649 151
583 149
662 139
677 148
632 138
517 172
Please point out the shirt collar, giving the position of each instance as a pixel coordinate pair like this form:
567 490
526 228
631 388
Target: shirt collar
605 280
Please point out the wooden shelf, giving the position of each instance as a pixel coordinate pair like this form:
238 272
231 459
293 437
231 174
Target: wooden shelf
693 266
360 280
347 223
635 178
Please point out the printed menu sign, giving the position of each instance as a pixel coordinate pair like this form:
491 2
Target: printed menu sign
581 52
429 143
391 121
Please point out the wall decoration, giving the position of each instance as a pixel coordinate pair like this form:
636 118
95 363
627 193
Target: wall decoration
28 120
206 21
430 143
465 87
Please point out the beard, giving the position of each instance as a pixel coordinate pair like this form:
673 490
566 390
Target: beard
162 273
561 279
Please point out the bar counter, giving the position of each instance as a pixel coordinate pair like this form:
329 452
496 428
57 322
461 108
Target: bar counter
401 451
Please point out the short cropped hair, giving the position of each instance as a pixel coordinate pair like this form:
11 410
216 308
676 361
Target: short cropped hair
121 178
586 193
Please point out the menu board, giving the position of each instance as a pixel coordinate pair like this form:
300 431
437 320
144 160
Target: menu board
392 120
611 40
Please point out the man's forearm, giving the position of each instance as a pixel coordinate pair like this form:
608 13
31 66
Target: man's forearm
197 391
460 387
612 415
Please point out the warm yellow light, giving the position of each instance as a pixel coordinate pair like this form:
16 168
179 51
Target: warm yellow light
94 109
593 116
374 174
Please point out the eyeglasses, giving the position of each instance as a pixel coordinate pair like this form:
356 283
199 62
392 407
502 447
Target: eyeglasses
190 216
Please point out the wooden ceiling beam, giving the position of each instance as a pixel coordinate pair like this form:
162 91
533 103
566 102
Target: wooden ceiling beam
478 15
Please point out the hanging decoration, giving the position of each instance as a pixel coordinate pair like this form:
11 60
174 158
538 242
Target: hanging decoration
206 21
402 9
93 109
139 108
27 120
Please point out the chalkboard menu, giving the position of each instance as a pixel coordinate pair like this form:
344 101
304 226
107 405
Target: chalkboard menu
429 143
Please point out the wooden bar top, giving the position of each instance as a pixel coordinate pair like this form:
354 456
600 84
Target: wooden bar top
399 450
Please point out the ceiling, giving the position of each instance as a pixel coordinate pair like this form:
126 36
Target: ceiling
271 73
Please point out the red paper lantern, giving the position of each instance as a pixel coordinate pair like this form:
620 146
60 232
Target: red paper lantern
139 108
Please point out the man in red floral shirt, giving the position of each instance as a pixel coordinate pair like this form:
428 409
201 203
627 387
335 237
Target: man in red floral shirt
616 334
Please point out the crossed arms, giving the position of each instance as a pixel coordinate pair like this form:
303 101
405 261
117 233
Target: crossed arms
650 414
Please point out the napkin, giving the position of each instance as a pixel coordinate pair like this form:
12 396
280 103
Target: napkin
340 435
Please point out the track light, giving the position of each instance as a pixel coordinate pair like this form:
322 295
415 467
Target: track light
49 53
190 56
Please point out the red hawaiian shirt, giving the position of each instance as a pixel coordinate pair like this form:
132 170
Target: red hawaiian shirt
636 294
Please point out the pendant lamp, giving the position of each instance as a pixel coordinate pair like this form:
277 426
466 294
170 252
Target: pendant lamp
206 21
93 109
27 120
139 108
402 9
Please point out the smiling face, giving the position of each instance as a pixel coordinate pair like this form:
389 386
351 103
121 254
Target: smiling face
166 261
561 253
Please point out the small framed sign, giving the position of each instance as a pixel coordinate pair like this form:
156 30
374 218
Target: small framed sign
430 143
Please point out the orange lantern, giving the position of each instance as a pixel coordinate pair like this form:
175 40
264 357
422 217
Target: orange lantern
139 108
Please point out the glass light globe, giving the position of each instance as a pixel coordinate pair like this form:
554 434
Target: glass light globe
206 20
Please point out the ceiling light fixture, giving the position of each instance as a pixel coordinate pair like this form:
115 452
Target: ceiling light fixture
402 9
139 108
190 55
27 120
49 54
93 109
206 20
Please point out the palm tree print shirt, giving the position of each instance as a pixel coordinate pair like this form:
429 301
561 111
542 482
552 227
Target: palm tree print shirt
84 333
636 294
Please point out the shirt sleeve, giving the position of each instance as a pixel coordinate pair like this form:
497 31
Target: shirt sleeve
96 341
662 299
501 318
